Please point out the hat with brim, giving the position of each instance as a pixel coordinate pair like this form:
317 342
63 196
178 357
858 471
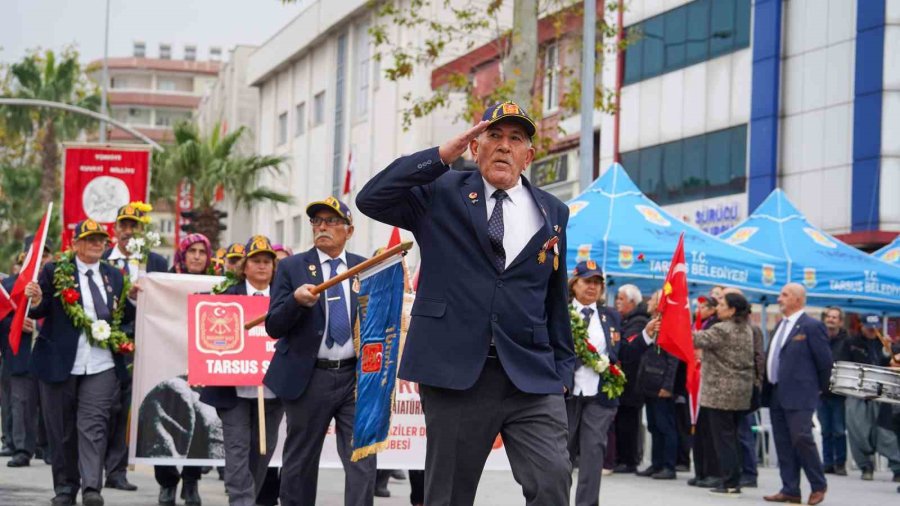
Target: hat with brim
235 250
510 111
330 204
129 212
587 269
872 321
259 244
87 228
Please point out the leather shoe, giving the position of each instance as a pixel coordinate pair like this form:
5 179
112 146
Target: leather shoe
190 493
708 482
748 482
664 474
840 470
166 496
19 460
398 474
121 484
91 497
648 472
382 492
7 451
62 500
816 497
779 497
625 468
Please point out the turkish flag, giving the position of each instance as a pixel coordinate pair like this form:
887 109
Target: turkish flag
675 325
29 273
348 176
395 238
6 303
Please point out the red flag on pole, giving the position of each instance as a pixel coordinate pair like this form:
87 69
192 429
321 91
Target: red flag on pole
395 238
30 270
348 176
675 325
6 303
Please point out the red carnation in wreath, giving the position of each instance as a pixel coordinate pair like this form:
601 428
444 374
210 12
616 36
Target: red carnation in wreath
70 295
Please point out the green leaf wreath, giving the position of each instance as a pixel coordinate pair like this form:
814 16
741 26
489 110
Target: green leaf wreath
99 333
613 377
230 280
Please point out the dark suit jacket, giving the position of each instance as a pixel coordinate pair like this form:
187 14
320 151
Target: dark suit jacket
633 348
223 397
609 320
299 329
155 263
804 367
54 352
464 301
14 365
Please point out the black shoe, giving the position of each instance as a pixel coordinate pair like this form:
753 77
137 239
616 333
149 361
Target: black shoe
708 482
828 470
733 493
625 468
190 493
62 500
39 452
382 492
840 470
748 481
648 472
682 468
896 478
221 471
398 474
867 475
120 484
91 497
664 474
166 496
19 460
7 451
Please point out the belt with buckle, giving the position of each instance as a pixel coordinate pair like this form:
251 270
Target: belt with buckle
335 364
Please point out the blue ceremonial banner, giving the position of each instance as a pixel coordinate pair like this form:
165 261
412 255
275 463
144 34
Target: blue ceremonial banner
377 341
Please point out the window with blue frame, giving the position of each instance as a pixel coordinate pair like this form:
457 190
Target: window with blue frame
692 33
700 167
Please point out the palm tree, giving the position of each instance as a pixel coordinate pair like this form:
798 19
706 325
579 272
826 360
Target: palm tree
210 164
40 76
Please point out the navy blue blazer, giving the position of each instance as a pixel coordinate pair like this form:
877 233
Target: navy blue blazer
299 329
223 397
14 365
464 301
804 367
54 352
609 321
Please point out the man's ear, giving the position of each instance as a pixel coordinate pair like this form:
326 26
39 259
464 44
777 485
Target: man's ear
473 148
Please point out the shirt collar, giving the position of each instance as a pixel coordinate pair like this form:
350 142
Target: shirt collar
323 257
579 306
252 291
792 320
115 254
515 194
83 267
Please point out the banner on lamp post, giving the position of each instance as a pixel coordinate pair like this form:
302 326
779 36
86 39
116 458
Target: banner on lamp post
98 180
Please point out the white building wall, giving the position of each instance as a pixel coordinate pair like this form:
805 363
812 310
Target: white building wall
816 142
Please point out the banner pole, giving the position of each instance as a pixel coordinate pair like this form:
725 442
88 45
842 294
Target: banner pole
261 408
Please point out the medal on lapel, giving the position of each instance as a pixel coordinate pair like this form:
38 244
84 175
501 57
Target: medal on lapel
555 256
312 270
542 257
473 197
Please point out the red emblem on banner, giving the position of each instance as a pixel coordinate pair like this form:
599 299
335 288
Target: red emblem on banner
372 354
219 327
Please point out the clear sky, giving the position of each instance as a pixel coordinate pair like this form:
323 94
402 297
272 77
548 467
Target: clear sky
53 24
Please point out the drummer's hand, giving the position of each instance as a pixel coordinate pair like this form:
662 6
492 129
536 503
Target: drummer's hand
305 297
455 147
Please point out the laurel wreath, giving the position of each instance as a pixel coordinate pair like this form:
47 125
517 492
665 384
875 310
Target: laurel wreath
109 336
613 377
230 280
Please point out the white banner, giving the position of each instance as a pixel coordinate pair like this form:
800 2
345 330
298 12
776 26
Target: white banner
169 424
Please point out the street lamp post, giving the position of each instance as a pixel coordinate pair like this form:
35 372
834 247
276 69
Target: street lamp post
104 78
586 147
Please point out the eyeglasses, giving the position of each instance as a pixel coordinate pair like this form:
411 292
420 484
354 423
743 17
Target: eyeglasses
331 221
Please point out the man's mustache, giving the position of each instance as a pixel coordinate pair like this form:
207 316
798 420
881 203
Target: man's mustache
323 234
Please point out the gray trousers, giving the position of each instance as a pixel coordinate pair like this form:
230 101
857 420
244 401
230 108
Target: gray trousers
116 461
76 414
589 422
462 426
5 405
25 403
331 394
245 468
867 437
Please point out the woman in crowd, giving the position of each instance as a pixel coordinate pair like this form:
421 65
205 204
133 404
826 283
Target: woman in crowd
245 468
727 384
706 468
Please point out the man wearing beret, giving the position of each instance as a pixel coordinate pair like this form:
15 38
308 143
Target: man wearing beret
129 221
313 370
74 363
490 342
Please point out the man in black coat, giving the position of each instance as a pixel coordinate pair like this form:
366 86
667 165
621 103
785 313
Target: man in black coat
634 313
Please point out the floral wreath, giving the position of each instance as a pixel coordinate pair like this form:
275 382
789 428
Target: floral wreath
230 280
99 333
613 377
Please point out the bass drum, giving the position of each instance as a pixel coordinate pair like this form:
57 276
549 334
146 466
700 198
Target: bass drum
866 382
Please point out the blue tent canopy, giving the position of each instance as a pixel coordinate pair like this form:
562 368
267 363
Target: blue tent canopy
633 239
890 253
834 273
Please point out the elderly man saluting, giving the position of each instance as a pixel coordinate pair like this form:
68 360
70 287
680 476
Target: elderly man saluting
489 341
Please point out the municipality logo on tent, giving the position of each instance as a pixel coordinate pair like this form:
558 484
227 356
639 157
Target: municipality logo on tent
652 215
819 237
891 256
576 207
742 235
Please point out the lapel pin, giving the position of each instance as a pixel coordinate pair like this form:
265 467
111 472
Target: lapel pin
542 256
356 285
556 228
473 197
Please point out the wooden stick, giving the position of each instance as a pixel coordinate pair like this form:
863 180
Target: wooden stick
261 408
401 248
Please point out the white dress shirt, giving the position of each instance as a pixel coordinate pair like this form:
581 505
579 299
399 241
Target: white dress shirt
587 381
116 257
246 392
521 217
787 323
336 352
90 359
